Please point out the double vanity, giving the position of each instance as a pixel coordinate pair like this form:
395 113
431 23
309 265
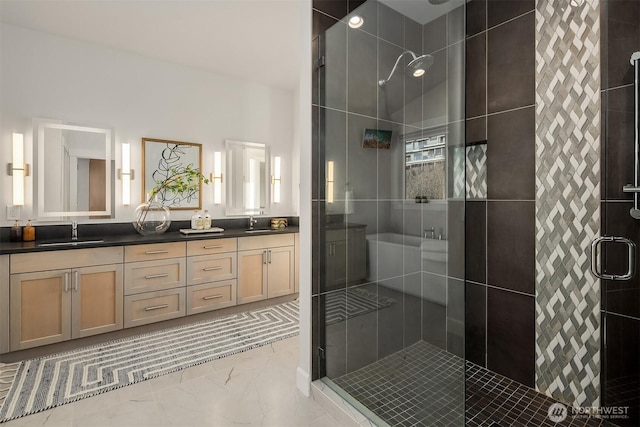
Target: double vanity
54 293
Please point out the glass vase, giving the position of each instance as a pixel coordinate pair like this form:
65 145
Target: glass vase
151 218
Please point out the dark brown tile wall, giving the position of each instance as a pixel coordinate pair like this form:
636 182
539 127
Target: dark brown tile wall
511 335
500 232
620 299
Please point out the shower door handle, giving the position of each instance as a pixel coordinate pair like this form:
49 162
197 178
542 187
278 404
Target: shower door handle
631 247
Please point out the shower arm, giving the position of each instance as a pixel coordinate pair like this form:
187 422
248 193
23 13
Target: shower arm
393 70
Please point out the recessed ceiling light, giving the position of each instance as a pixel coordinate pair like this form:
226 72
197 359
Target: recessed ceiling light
419 72
356 21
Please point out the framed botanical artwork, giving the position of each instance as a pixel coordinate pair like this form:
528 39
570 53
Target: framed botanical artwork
161 159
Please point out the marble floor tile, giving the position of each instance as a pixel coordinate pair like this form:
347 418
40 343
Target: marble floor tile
255 388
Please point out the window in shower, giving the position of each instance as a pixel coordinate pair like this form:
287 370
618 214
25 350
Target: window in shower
425 164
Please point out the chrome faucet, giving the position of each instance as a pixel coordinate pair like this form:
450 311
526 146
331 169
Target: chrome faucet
252 222
429 233
74 230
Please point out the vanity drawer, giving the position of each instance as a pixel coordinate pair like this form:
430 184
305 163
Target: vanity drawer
153 307
154 251
211 296
150 276
211 246
211 268
70 258
261 242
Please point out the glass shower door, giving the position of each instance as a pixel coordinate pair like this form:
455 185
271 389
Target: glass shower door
390 168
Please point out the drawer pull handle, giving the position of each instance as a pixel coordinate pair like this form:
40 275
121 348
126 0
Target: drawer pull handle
66 281
219 267
156 276
212 297
156 307
156 252
214 247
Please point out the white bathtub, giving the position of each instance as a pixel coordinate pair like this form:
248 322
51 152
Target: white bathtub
408 264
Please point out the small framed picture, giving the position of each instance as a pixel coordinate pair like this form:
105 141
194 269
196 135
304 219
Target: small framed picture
376 138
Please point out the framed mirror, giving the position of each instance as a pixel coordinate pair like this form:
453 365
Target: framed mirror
247 178
74 171
161 158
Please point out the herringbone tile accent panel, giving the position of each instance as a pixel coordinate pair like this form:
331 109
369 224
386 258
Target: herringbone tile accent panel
476 167
567 200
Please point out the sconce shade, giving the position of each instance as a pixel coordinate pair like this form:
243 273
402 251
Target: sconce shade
126 174
216 177
330 181
18 169
276 179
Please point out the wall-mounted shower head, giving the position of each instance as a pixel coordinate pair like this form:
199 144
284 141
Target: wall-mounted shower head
416 68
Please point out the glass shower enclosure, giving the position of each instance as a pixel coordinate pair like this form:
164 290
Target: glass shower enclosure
388 207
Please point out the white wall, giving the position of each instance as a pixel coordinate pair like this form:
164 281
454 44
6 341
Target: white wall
53 77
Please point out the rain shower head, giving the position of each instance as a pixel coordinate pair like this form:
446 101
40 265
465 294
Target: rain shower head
416 68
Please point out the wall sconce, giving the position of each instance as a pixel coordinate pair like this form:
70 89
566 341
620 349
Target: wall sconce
216 177
126 174
276 179
330 181
18 169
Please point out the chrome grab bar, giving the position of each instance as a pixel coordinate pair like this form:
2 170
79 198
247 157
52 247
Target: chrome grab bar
635 211
595 244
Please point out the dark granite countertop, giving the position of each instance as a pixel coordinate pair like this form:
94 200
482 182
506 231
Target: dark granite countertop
124 235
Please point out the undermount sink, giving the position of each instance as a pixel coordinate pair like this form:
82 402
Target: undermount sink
263 230
71 243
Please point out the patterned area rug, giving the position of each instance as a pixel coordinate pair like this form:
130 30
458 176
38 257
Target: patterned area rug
344 305
55 380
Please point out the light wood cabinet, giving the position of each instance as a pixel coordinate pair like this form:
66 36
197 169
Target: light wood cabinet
252 275
267 268
211 268
97 300
52 306
40 308
211 296
53 296
150 276
151 307
4 303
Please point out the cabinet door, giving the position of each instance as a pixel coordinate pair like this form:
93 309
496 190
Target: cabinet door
40 308
97 300
336 264
280 268
357 264
252 275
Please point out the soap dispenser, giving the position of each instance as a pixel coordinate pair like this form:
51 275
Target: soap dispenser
29 232
206 220
15 235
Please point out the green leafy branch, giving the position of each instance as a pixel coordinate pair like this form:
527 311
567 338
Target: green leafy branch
183 181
